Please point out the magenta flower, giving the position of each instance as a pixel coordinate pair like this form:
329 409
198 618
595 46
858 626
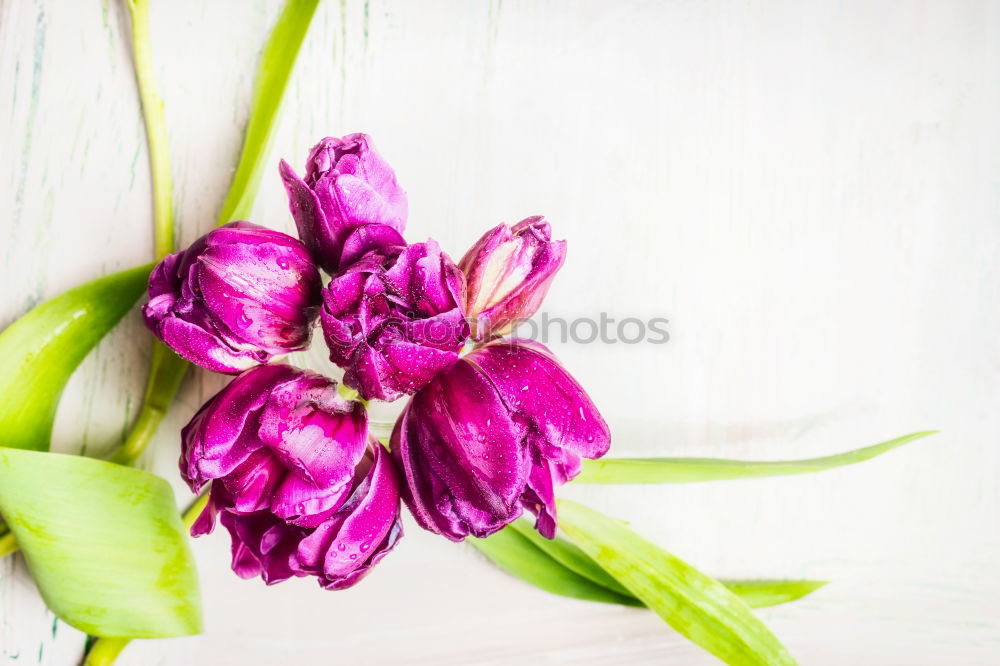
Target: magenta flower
493 435
508 272
300 486
347 185
238 296
393 319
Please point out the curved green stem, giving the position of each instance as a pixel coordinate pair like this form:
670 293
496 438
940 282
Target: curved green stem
273 73
166 373
166 370
275 69
105 651
156 129
8 544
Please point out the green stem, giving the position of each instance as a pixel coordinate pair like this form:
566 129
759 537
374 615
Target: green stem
8 544
156 129
273 74
166 370
192 512
277 61
105 651
166 373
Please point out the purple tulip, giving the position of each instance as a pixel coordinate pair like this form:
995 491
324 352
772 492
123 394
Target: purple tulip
393 319
508 272
238 296
493 435
299 484
347 185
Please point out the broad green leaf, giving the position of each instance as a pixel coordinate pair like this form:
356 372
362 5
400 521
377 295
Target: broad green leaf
517 556
764 593
273 73
570 556
42 349
695 605
693 470
105 651
104 543
534 552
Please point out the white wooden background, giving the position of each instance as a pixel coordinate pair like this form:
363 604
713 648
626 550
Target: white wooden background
809 191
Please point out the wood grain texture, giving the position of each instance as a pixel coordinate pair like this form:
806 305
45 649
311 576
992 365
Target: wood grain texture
808 191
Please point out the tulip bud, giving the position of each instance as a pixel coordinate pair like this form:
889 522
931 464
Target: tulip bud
299 484
238 296
393 319
508 272
347 185
493 435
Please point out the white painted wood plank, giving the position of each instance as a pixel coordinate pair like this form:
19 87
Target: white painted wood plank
807 190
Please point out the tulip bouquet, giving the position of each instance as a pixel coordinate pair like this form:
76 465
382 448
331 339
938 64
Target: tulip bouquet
287 459
302 486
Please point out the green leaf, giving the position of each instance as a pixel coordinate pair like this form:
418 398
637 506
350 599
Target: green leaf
764 593
695 605
105 651
41 350
104 543
693 470
276 64
517 556
570 556
535 555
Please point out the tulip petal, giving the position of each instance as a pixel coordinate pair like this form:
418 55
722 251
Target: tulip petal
344 548
310 220
303 503
252 484
214 442
508 272
462 455
393 321
533 384
265 295
314 431
206 350
539 497
262 545
237 296
218 500
347 185
368 238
